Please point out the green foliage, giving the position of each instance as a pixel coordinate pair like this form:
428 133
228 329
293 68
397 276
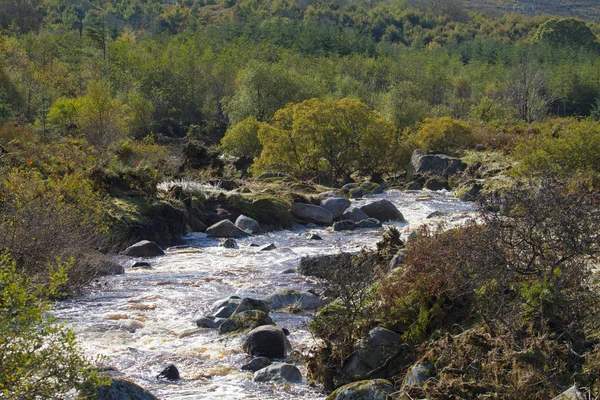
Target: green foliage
40 358
445 135
566 32
242 139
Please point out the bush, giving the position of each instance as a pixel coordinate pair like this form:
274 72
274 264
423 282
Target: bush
242 139
40 358
445 134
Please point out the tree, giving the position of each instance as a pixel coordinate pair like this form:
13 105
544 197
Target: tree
40 358
242 139
527 93
569 32
444 134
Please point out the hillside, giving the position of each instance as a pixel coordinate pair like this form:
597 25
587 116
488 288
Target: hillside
584 9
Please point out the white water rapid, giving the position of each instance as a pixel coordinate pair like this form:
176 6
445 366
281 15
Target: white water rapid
145 319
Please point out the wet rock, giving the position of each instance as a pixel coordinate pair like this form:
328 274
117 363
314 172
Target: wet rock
397 260
349 186
230 244
145 248
418 375
356 193
413 186
311 226
345 225
248 303
372 352
267 247
224 312
231 302
245 320
571 393
326 195
383 210
336 205
285 298
279 373
265 341
210 322
109 267
356 215
422 163
376 389
319 266
289 271
256 364
120 389
225 229
247 224
369 223
311 236
141 265
170 373
470 192
312 213
435 214
436 183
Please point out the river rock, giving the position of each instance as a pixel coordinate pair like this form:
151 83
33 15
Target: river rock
319 266
265 341
357 193
231 302
397 260
120 389
230 244
285 298
356 215
225 229
248 303
436 183
247 224
336 205
418 375
256 364
312 213
245 320
145 248
224 312
571 393
141 265
470 192
372 352
422 163
279 373
344 225
267 247
369 223
435 214
210 322
170 373
383 210
376 389
413 186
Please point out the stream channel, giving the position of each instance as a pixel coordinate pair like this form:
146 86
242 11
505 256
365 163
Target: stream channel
145 319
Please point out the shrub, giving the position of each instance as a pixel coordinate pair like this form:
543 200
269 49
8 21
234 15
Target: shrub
242 139
444 134
40 358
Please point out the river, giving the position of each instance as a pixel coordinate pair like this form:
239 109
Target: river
145 319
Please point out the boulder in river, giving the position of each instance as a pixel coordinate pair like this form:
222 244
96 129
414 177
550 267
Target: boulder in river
247 224
244 321
376 389
224 312
267 247
210 322
383 210
369 223
145 248
249 303
423 163
231 302
436 183
336 205
344 225
312 213
121 389
356 215
279 373
229 244
265 341
170 373
256 364
141 265
225 229
285 298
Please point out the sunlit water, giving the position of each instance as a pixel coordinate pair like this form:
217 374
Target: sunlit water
145 319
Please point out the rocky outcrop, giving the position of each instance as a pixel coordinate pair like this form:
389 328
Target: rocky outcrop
383 210
247 224
312 213
225 229
265 341
377 389
336 205
145 248
279 373
422 163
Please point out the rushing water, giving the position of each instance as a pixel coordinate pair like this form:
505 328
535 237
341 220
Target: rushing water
145 319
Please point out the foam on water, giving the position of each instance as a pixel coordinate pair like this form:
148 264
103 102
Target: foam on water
145 319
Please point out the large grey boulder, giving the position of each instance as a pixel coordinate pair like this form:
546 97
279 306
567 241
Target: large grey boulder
355 215
422 163
225 229
256 364
344 225
265 341
319 266
336 205
120 389
230 302
247 224
244 321
279 373
376 389
383 210
312 213
372 352
285 298
248 303
145 248
571 393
